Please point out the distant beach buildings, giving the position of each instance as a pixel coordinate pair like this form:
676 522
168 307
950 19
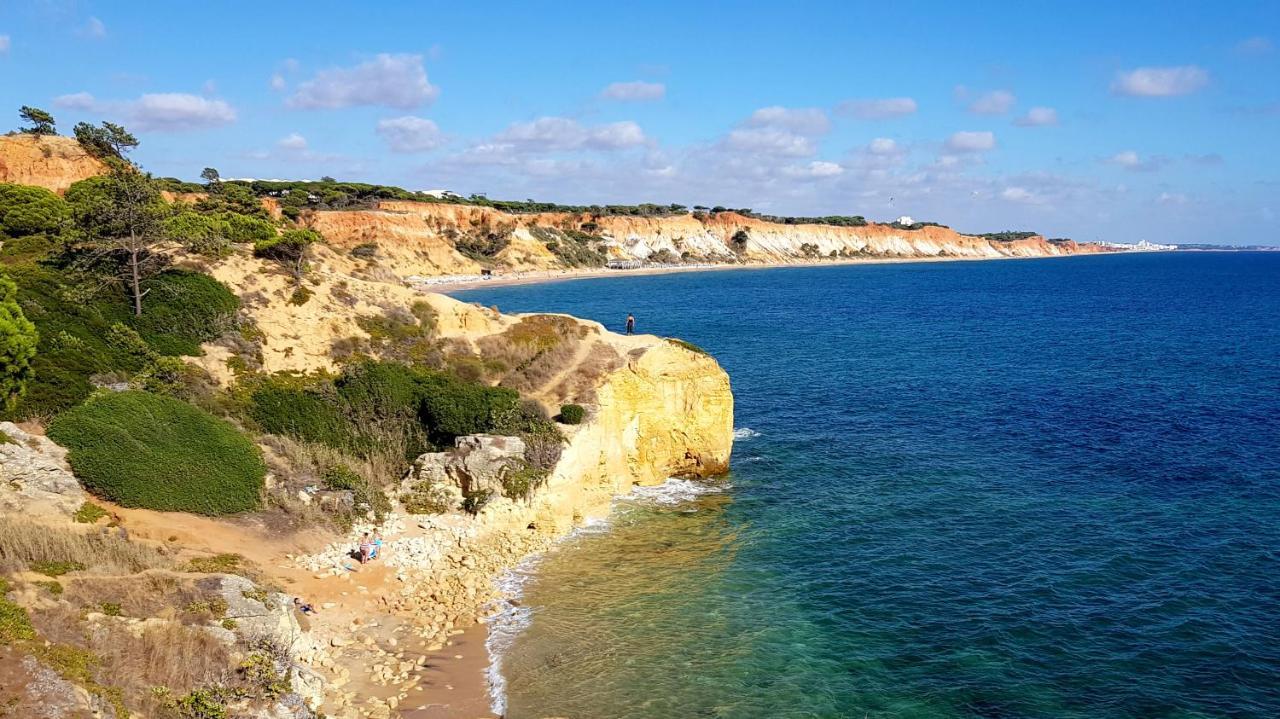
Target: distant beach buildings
1139 246
904 220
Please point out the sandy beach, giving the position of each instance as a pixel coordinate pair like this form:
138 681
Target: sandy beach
447 284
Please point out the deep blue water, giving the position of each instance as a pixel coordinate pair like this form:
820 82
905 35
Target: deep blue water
1042 488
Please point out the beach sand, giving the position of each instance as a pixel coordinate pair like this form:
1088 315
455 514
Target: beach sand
453 688
447 285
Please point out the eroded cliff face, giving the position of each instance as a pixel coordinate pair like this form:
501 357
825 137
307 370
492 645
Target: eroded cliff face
51 162
421 238
656 408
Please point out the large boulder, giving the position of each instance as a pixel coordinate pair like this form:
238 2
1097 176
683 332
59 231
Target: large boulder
477 463
36 470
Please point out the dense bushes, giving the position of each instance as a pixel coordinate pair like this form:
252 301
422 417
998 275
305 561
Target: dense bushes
184 309
377 405
26 210
1007 235
143 450
451 407
572 414
18 338
574 248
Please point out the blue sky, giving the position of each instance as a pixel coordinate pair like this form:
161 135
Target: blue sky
1117 121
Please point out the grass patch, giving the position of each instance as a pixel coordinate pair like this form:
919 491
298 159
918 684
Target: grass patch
688 345
89 513
144 450
15 623
24 543
56 568
217 564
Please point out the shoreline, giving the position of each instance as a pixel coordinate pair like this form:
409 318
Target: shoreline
448 284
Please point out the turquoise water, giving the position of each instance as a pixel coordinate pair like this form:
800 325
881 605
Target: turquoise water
1044 488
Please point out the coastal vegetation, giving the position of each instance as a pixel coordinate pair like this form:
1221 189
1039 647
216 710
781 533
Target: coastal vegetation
1008 235
139 449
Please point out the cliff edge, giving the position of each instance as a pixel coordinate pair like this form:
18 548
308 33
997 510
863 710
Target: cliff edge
49 161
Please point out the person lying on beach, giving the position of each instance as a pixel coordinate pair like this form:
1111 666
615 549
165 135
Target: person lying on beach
304 608
366 548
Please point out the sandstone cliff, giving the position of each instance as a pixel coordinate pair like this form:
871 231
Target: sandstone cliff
421 238
47 161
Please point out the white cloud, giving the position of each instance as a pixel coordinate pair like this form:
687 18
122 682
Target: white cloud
878 109
770 141
293 142
1038 117
971 141
816 170
996 102
409 134
160 112
75 101
4 44
884 146
634 91
93 29
549 134
1021 195
616 136
172 111
277 82
1254 46
1160 81
1172 198
806 121
397 81
1130 160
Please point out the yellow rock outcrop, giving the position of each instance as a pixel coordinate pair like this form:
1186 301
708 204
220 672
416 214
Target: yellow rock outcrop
51 162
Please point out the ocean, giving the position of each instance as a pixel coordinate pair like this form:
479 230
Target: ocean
1033 488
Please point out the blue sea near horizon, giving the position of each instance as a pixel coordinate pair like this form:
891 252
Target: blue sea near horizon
1042 488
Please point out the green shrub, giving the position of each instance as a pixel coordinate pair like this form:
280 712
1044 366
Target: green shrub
243 228
53 587
27 210
18 340
473 502
217 564
281 407
687 345
201 704
56 568
15 624
572 414
300 296
366 497
202 234
89 513
144 450
522 482
185 309
452 408
365 250
111 609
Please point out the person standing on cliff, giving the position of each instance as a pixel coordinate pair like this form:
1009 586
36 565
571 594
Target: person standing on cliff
631 324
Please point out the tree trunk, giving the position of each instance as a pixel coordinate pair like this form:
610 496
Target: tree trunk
137 288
